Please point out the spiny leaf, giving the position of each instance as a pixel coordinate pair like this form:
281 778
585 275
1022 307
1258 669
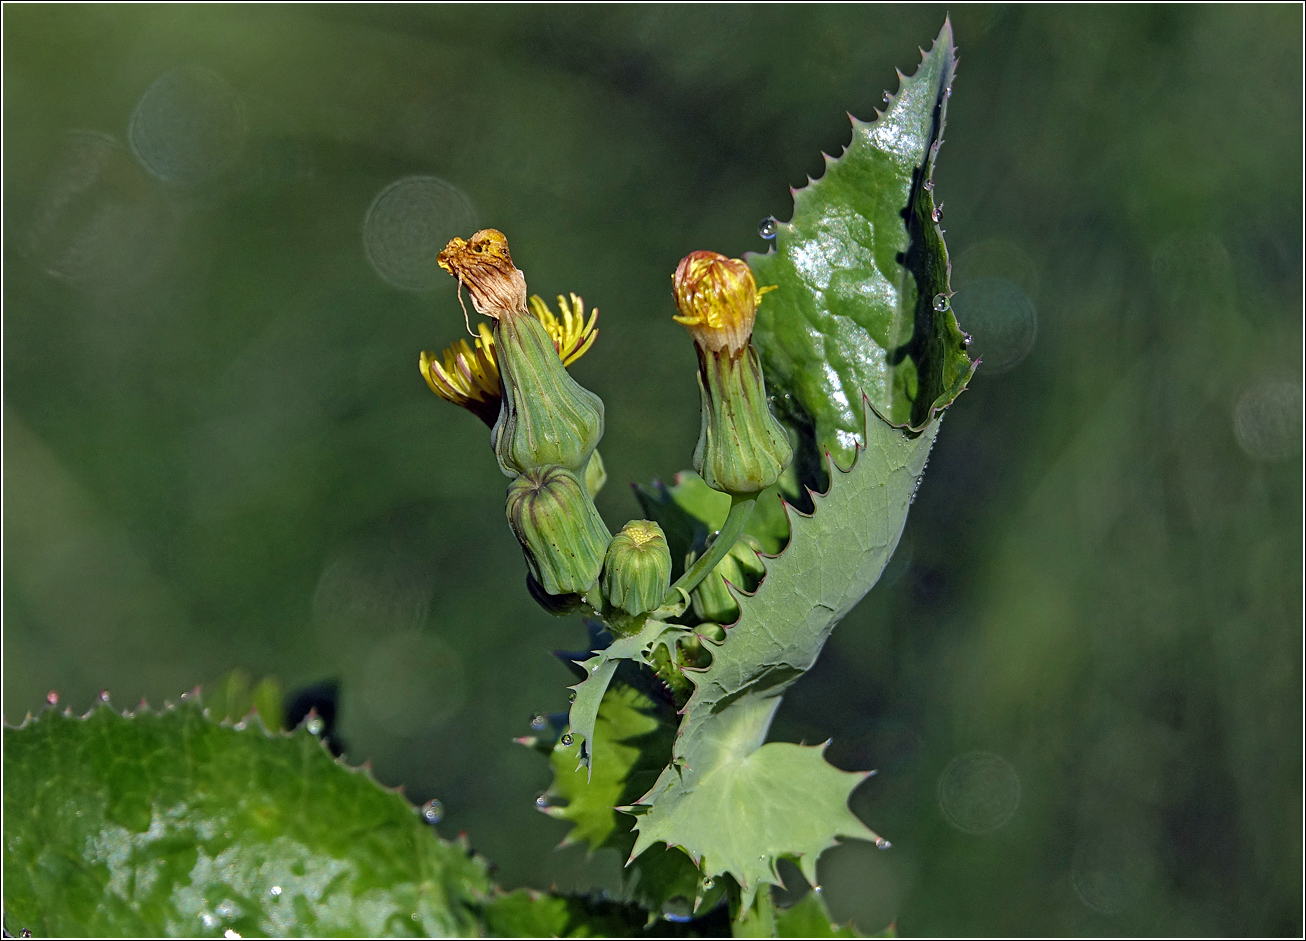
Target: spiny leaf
806 918
721 772
632 738
599 670
233 697
863 301
171 824
632 743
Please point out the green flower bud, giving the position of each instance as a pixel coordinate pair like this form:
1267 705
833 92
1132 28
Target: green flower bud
547 417
637 570
560 531
596 475
741 448
742 568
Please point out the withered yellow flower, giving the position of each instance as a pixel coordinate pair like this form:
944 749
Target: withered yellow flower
483 264
467 374
717 298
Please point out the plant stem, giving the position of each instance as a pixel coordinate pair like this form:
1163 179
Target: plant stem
741 507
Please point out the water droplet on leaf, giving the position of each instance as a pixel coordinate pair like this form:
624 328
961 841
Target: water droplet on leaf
538 722
542 801
769 228
571 697
567 739
708 883
881 843
52 697
104 695
275 891
315 725
433 812
941 302
928 184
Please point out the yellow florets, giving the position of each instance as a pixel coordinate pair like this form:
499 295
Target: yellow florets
467 374
717 300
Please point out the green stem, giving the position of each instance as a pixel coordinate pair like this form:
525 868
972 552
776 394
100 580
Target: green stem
741 507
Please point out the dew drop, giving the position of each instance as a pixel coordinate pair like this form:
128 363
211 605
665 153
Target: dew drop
315 725
52 697
25 933
941 302
928 184
231 933
104 695
538 722
934 213
571 697
542 801
768 228
414 916
567 739
708 884
817 889
433 812
275 891
881 843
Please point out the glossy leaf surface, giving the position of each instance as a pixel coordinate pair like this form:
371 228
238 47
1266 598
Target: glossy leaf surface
863 305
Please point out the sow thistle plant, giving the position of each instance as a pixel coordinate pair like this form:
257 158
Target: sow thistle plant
823 369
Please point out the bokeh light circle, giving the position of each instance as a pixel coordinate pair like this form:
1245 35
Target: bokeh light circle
408 224
978 792
1267 421
1110 872
188 127
1000 318
99 219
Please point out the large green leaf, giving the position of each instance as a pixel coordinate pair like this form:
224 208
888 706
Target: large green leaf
737 805
632 742
863 301
171 824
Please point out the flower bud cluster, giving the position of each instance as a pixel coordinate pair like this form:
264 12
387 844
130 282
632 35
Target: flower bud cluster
548 426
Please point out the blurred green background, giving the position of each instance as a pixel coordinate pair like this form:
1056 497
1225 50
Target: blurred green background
1080 678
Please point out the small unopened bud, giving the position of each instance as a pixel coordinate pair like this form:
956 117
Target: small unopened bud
560 531
596 475
637 569
740 567
741 447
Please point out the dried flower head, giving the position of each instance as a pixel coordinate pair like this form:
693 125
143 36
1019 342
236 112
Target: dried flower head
496 285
